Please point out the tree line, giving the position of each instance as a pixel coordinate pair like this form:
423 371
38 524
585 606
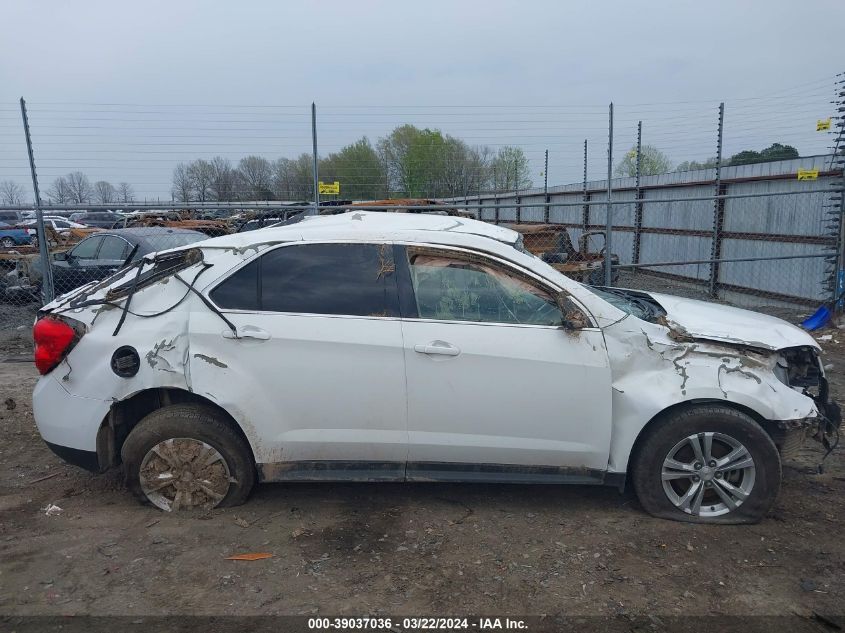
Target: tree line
653 161
76 188
408 162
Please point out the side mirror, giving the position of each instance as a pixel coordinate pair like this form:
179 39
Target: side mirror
573 317
60 257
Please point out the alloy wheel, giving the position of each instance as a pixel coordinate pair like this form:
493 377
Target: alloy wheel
708 474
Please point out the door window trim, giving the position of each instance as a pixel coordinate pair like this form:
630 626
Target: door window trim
93 236
407 298
209 289
120 237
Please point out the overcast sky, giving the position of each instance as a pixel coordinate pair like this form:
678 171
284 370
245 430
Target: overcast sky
534 74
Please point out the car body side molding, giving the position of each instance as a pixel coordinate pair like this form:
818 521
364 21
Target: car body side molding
336 470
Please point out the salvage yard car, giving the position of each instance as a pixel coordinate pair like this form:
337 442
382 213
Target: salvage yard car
104 253
375 346
11 236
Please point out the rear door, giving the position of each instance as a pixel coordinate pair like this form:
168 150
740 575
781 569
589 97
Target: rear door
497 389
315 373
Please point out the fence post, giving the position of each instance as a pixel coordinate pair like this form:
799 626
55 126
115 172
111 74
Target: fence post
495 196
316 163
585 212
837 281
546 189
608 230
638 209
718 210
43 251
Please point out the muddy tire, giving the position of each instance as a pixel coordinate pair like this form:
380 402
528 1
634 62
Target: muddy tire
184 457
706 464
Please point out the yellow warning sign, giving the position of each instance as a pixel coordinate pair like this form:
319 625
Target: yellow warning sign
808 174
331 188
823 124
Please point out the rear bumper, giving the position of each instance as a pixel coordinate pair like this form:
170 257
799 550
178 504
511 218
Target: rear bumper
84 459
68 423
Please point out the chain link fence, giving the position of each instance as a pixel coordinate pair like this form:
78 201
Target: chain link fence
765 241
765 235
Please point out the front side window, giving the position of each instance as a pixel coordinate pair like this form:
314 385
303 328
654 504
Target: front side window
461 287
347 279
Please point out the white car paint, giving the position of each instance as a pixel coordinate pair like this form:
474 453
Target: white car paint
355 388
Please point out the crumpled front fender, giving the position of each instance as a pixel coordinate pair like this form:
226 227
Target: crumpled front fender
652 371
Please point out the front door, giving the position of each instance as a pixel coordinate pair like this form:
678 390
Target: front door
315 373
497 389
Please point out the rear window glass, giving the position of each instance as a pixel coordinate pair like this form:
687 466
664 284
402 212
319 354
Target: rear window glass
164 266
113 248
349 279
167 241
86 249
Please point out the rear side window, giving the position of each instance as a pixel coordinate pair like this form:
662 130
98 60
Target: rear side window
86 249
239 291
113 248
349 279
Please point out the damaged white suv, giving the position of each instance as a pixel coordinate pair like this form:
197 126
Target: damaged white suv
399 347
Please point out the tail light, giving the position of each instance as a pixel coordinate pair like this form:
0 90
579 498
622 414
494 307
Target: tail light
53 340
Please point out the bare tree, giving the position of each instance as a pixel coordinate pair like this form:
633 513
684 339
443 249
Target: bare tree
11 192
104 192
59 191
283 179
125 193
201 174
256 178
223 179
182 185
79 187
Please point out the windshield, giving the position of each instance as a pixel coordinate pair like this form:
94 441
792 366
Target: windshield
638 305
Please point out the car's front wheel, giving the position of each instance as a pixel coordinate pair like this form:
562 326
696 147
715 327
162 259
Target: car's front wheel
707 464
7 242
184 456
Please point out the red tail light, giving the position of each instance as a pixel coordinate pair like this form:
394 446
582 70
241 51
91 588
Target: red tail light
53 339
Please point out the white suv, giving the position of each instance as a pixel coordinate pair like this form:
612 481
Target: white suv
399 347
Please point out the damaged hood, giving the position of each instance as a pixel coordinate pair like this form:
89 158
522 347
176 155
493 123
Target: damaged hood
715 322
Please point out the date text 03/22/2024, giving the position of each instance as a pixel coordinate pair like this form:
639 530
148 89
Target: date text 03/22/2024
418 623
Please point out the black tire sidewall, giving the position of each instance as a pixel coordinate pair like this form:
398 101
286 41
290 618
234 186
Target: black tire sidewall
651 452
196 422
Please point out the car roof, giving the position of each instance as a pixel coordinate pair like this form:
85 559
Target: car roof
148 232
146 236
378 225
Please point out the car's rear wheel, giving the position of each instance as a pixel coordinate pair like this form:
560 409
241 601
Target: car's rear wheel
707 464
7 242
184 457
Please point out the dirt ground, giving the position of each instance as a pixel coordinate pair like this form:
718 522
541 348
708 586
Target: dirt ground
424 549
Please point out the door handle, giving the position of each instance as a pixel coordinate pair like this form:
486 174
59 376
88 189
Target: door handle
440 348
247 331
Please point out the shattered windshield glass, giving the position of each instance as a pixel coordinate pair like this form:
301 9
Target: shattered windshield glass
636 304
